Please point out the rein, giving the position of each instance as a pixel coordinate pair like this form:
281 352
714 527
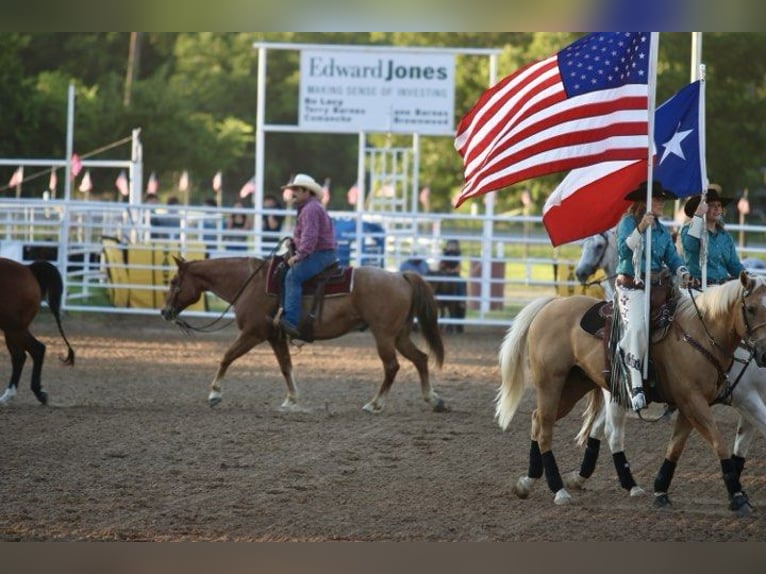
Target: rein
208 328
724 397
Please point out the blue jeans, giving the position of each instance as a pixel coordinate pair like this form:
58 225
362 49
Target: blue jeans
302 271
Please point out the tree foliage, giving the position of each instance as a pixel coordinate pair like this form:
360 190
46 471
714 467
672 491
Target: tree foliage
194 97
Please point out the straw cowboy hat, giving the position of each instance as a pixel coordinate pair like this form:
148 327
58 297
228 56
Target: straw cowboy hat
713 194
306 182
639 194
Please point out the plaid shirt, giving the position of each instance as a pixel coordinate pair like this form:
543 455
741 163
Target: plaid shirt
313 229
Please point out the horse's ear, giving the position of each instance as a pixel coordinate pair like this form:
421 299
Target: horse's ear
747 281
179 260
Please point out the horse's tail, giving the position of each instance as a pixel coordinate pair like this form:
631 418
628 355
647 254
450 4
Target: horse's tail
52 289
425 308
512 357
593 409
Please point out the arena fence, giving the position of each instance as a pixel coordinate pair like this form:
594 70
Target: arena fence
118 258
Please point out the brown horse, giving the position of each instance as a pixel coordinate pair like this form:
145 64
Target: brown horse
380 300
546 348
22 287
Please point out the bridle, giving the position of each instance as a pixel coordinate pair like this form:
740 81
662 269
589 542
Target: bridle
209 327
599 263
749 342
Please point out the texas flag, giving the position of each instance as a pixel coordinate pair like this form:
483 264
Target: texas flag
592 199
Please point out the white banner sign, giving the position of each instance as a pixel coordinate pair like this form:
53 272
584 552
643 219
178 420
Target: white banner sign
393 92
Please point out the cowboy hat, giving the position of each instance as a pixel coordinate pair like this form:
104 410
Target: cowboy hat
639 194
306 182
713 194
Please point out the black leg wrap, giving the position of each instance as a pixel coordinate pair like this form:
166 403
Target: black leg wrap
730 477
739 463
623 470
552 474
590 458
664 476
535 461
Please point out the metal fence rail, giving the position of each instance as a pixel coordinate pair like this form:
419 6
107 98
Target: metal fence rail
117 258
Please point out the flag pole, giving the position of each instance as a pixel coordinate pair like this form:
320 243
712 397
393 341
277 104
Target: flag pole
653 56
698 73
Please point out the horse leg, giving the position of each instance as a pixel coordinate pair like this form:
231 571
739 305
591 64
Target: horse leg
408 350
282 352
387 354
546 414
13 341
681 431
36 350
524 484
747 399
241 345
615 435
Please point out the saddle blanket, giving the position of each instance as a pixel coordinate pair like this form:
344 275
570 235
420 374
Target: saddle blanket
340 283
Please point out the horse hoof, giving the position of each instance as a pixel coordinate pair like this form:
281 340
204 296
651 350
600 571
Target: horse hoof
662 500
214 401
741 505
637 491
42 396
562 497
441 407
574 481
372 408
523 487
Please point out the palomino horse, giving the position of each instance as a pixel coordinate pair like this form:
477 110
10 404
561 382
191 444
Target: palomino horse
547 349
22 287
380 300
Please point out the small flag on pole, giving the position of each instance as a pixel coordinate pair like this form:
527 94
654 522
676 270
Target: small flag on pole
76 165
86 184
152 185
17 177
121 183
248 188
352 195
183 182
53 181
326 192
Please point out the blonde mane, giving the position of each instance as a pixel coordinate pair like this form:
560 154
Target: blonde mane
716 301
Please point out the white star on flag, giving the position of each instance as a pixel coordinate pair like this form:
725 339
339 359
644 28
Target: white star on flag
673 145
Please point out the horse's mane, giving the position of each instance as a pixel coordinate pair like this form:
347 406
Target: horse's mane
715 302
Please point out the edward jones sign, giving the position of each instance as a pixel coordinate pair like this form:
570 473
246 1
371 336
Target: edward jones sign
394 92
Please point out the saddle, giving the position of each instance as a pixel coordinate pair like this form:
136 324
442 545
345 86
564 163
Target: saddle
334 280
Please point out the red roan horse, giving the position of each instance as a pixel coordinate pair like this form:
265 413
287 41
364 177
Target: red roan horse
380 300
22 287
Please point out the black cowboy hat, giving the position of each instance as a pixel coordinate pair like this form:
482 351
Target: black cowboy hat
713 194
639 194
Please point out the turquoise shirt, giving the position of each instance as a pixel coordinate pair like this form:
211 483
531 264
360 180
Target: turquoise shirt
722 260
663 250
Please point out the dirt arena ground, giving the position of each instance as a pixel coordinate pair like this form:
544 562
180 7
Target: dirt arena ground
129 449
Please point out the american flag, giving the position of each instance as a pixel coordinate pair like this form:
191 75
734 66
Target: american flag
586 104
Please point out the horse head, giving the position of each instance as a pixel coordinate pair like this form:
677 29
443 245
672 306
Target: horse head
598 252
753 303
182 291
